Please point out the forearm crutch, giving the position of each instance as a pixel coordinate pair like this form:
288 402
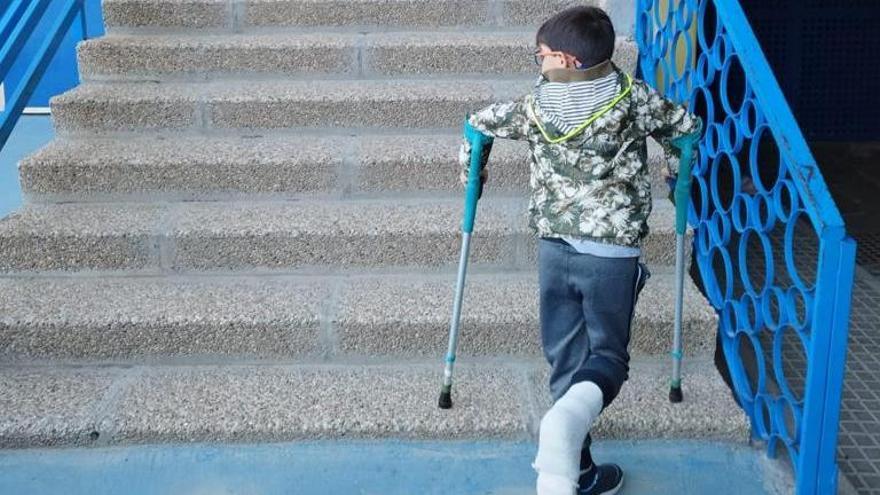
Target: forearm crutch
682 199
479 142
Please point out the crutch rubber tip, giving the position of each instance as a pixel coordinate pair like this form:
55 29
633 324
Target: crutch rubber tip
445 400
675 395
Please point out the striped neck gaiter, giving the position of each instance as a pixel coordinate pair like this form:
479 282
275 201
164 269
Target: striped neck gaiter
567 105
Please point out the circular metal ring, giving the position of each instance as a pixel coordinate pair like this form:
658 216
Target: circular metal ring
705 70
750 317
725 74
785 186
663 23
713 289
704 240
712 139
695 217
701 29
750 117
659 47
731 126
788 437
753 159
762 406
744 264
778 365
737 180
710 107
684 15
739 211
793 272
720 51
719 229
772 297
729 318
792 296
689 52
644 31
765 222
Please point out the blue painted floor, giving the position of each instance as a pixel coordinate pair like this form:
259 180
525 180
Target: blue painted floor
30 134
386 468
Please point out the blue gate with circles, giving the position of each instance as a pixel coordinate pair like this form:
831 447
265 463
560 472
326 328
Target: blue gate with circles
770 245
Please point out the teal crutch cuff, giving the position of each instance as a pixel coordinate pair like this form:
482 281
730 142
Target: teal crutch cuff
479 142
686 144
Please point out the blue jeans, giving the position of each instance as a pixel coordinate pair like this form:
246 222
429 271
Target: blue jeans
586 305
586 308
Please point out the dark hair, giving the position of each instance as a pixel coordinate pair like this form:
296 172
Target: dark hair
585 32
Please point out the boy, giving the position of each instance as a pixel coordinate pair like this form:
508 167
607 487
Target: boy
586 124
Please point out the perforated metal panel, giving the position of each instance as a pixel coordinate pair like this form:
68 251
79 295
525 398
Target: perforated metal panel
770 244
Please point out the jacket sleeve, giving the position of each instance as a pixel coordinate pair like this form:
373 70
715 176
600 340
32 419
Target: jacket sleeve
506 120
665 120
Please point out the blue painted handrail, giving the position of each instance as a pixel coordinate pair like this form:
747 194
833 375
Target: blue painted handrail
775 294
9 19
18 23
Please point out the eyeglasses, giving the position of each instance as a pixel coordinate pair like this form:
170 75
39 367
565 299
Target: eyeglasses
539 57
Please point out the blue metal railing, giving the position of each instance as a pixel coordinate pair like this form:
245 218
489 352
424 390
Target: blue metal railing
770 244
19 20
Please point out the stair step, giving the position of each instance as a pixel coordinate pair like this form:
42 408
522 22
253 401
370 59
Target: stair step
381 316
244 14
185 14
277 402
345 55
289 166
390 105
294 235
147 319
175 168
72 237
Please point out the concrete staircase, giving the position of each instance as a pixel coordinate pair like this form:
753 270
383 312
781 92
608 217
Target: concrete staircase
247 230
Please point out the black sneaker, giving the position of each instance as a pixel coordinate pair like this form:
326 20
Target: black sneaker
605 479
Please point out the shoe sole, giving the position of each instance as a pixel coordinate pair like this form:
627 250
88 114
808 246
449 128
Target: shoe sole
616 489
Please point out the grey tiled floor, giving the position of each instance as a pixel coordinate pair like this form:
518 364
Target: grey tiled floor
852 174
869 252
859 441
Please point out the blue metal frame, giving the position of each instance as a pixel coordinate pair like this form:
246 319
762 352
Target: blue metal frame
786 305
18 23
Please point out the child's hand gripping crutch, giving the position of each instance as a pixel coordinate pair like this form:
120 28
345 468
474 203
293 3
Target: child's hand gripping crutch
481 145
682 195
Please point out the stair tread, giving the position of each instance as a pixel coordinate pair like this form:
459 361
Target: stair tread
327 90
292 234
263 104
302 217
328 38
216 14
273 402
403 314
289 164
405 54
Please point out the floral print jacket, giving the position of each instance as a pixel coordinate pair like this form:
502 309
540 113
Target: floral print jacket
595 185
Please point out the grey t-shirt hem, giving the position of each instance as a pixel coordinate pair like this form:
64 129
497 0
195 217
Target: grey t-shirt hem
586 246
